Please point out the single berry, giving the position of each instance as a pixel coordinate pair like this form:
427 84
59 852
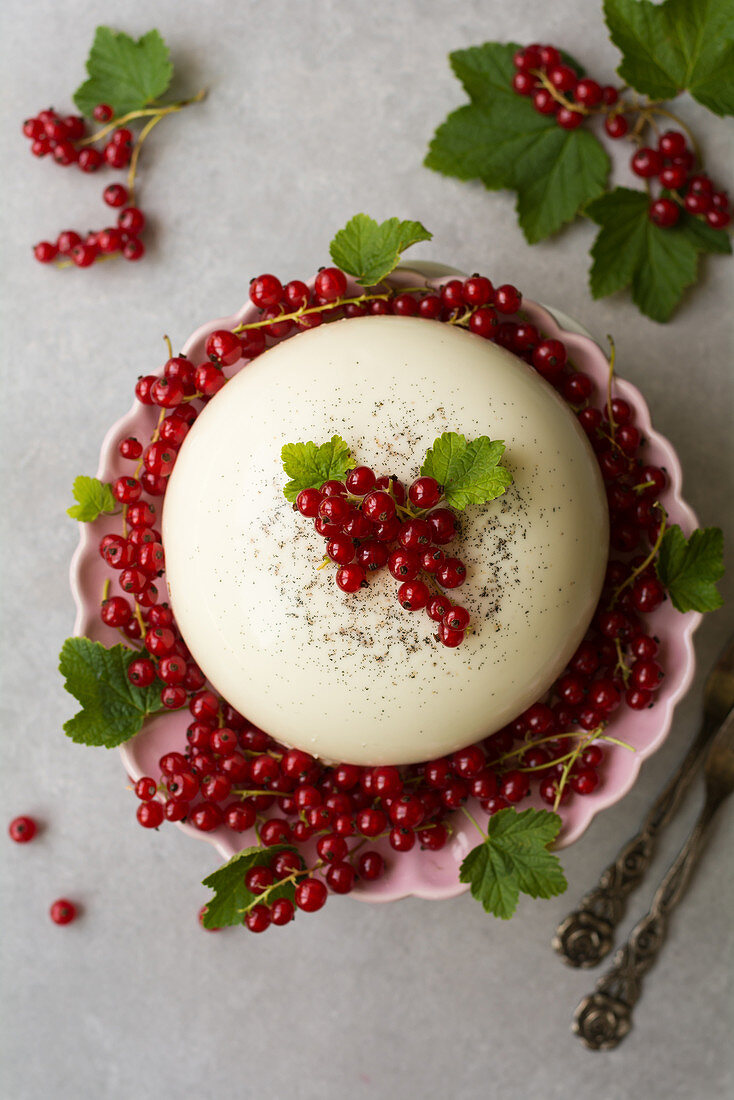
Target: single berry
646 162
424 493
569 119
507 299
616 126
102 112
115 194
588 92
63 911
22 829
311 894
664 212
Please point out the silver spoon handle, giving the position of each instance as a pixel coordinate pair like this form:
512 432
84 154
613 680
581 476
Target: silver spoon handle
604 1017
585 937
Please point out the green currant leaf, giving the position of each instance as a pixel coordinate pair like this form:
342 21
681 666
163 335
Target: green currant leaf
680 45
93 496
702 236
369 251
124 73
501 139
232 899
689 569
513 859
309 465
468 472
113 709
630 250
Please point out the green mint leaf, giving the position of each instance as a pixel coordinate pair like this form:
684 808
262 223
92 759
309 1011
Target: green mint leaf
502 140
93 496
681 45
369 251
469 472
514 859
690 569
124 73
231 898
630 250
309 465
113 709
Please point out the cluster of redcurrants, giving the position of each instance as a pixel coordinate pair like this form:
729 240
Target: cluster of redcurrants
61 137
540 66
672 164
368 524
541 72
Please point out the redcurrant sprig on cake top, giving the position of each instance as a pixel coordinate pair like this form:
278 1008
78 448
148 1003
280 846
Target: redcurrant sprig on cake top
369 522
126 79
536 125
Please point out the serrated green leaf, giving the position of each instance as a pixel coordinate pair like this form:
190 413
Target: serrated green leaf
680 45
702 236
630 250
231 898
124 73
501 139
514 859
468 472
113 709
369 251
689 569
309 465
94 497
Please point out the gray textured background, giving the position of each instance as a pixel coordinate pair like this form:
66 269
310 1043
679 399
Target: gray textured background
317 109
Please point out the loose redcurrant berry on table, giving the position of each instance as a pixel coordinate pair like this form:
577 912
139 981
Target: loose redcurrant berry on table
63 911
22 829
664 212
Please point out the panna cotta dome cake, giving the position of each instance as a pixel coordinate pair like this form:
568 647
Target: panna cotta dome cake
356 678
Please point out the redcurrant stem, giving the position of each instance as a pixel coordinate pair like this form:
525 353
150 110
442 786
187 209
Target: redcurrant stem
260 898
136 156
648 560
612 357
97 259
642 486
654 108
254 794
569 764
105 589
474 822
144 112
168 345
622 667
139 617
531 745
153 439
558 96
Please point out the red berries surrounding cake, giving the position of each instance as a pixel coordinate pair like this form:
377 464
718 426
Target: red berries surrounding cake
313 819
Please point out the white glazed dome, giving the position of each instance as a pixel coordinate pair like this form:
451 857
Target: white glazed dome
355 677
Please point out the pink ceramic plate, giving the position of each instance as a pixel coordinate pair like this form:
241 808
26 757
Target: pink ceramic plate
421 873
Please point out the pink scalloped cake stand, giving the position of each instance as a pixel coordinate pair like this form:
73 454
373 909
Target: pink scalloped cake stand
419 873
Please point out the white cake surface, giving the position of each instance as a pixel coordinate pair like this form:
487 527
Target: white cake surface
356 677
